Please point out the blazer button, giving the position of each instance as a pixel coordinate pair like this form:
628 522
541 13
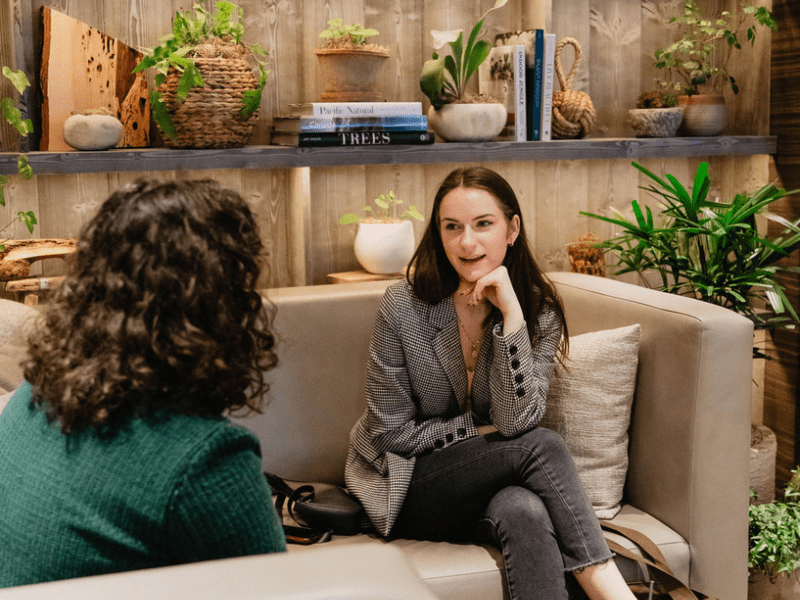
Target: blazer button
520 392
512 350
438 444
515 364
461 432
449 438
519 378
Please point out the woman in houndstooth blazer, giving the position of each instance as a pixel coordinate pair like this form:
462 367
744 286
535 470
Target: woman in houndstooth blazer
457 379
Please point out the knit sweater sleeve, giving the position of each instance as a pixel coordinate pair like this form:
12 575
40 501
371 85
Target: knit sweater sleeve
221 506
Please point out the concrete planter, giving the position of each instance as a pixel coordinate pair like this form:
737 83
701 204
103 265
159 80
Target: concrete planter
762 587
349 75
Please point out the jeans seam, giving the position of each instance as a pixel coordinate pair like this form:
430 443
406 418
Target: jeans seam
506 563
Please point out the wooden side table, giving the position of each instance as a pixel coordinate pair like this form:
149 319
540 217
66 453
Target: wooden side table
358 276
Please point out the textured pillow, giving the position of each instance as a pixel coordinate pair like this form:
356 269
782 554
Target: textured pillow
16 320
589 405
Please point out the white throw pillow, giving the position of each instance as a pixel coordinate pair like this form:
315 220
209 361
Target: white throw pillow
589 405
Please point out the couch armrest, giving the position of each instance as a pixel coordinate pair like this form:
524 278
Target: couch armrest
690 430
370 573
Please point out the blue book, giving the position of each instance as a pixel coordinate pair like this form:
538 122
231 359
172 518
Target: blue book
339 124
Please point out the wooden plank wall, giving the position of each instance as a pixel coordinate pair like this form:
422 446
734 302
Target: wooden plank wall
298 209
781 392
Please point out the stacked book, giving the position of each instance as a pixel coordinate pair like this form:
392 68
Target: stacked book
352 124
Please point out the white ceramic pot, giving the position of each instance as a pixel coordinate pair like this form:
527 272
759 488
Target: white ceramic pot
93 132
468 122
703 115
384 248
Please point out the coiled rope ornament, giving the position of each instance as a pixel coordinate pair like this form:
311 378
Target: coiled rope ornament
573 112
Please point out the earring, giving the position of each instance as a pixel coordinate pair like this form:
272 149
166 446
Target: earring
511 245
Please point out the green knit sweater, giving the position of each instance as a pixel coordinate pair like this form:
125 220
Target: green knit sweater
177 490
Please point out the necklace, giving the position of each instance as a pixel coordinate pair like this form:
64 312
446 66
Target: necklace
473 344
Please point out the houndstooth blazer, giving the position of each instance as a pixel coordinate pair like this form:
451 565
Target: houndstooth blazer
417 386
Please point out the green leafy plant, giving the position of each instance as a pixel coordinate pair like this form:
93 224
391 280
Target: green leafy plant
692 60
338 34
710 250
177 50
774 541
444 78
387 206
23 126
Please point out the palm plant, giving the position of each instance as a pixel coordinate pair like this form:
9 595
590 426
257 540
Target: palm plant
708 249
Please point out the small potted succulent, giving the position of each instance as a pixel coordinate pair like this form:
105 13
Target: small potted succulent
207 94
657 114
696 65
348 65
774 546
456 115
385 240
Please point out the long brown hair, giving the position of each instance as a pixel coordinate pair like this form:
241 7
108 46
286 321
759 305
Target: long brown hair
433 277
159 311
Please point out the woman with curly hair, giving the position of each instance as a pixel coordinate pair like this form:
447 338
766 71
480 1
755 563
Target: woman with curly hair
115 452
459 368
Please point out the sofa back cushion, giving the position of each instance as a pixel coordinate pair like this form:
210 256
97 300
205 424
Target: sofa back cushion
16 320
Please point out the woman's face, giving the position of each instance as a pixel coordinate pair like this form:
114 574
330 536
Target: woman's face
475 232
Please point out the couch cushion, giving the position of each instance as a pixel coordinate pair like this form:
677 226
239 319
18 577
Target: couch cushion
465 571
589 404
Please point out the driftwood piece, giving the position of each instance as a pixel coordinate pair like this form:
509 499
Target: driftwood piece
16 259
85 69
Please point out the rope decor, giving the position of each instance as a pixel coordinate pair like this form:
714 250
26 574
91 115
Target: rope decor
210 116
573 112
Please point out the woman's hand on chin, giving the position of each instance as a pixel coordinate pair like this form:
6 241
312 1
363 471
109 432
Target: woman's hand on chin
496 287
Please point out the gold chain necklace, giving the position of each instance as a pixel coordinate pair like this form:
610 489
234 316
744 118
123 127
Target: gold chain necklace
473 344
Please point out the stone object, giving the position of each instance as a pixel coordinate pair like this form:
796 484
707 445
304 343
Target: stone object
93 132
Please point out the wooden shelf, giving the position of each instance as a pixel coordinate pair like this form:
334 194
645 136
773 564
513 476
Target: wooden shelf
271 157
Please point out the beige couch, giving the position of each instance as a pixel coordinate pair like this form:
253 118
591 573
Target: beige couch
689 437
687 485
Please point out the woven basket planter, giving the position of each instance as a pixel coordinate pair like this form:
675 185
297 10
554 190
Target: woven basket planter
210 116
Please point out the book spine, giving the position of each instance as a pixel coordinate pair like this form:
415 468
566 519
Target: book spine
536 104
390 123
547 90
365 138
354 109
520 127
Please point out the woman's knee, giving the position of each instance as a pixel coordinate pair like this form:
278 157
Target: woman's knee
518 509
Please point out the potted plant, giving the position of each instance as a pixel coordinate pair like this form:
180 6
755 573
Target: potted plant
710 250
454 114
385 240
23 126
207 94
696 65
774 546
657 114
348 65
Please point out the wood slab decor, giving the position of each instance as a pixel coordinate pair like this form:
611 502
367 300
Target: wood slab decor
84 69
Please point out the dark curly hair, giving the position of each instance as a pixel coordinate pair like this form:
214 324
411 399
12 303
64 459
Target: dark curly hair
159 311
433 277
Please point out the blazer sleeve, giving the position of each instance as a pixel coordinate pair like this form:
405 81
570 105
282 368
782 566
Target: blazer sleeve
392 419
519 376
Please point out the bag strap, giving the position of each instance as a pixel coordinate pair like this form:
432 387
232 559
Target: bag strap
285 494
657 568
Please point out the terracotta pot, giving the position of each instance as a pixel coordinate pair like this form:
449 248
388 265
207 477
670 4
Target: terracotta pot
350 75
468 122
655 122
384 248
703 114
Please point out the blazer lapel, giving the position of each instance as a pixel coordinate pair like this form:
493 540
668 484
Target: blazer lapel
447 346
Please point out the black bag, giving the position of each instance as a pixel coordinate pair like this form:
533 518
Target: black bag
321 506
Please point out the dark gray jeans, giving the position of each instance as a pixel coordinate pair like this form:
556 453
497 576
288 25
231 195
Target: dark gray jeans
521 494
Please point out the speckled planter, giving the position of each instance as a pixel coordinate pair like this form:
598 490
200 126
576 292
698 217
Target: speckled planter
655 122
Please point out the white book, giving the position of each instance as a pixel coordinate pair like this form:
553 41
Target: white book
502 75
356 109
547 86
